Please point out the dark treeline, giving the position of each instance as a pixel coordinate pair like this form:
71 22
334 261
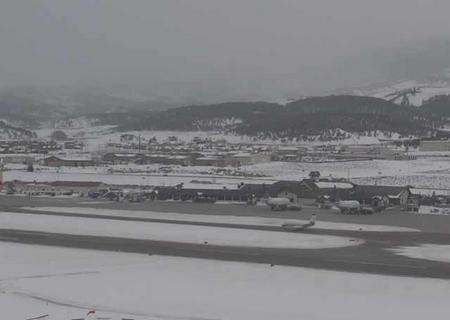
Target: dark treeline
316 116
438 105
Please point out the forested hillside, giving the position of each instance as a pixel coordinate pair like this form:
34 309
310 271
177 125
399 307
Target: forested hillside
438 105
316 116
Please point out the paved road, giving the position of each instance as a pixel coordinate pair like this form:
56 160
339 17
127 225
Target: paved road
371 257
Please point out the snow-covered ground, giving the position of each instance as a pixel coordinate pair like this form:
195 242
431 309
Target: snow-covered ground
171 232
419 180
66 283
426 90
433 210
96 137
92 136
430 170
22 263
433 252
240 220
351 169
424 172
200 181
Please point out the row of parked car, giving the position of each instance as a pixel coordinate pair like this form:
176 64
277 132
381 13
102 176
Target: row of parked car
141 195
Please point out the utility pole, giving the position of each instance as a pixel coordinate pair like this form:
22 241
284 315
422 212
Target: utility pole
139 144
1 173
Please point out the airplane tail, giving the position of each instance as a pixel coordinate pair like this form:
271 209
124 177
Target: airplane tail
312 220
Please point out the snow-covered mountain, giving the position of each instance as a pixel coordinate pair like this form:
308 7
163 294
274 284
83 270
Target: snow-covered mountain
411 92
35 103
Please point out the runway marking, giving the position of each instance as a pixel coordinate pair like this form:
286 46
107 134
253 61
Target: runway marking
74 305
38 276
378 264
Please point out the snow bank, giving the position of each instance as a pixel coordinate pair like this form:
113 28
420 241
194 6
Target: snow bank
434 252
171 232
228 219
433 210
21 263
154 287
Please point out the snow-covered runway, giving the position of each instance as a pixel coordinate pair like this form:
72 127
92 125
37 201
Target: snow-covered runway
65 283
171 232
225 219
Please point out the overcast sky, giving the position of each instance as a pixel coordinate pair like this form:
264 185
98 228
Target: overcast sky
219 49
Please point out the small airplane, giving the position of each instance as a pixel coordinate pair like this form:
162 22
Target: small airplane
300 226
43 317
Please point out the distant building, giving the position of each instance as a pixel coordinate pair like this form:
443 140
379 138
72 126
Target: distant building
74 145
54 161
54 188
381 195
121 158
413 204
216 161
289 154
166 159
335 189
291 190
245 158
380 151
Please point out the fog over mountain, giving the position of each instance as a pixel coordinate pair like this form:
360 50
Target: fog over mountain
206 51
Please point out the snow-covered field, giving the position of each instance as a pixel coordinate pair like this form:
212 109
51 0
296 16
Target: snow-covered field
92 136
96 137
431 172
424 172
419 181
376 169
171 232
433 252
200 181
239 220
66 283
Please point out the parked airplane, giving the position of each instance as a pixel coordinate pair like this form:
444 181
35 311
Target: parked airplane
280 204
348 206
43 317
300 226
354 207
